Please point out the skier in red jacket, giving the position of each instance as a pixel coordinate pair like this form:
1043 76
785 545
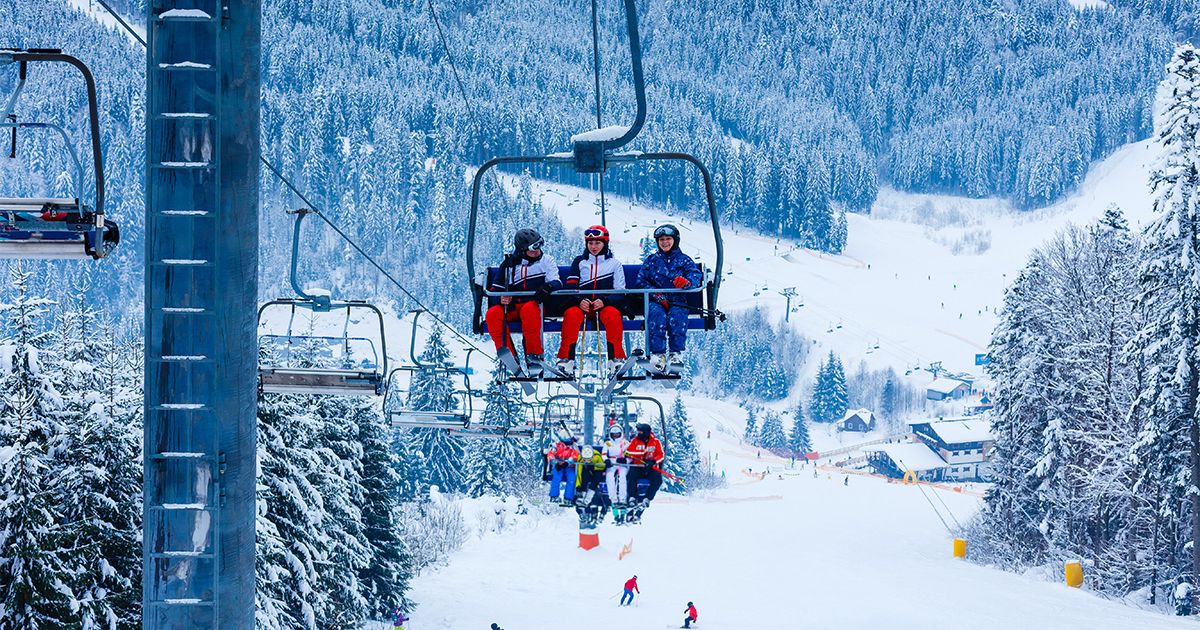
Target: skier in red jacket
645 455
630 587
691 616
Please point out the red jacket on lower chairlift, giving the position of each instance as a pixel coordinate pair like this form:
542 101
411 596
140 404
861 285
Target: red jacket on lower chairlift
649 451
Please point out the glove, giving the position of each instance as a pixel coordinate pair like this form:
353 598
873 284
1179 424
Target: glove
559 466
621 460
544 292
681 282
607 463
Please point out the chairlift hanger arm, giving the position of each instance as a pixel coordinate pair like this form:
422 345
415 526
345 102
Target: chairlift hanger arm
639 82
24 56
320 302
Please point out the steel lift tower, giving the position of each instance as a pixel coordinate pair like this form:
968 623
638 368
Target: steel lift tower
202 152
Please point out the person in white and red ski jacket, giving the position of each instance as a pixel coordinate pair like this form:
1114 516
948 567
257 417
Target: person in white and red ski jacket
527 268
595 269
618 470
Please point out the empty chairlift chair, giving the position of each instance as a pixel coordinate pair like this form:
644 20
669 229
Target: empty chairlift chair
49 227
303 363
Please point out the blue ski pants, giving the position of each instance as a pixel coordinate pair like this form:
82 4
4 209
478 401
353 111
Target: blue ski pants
564 476
663 322
628 593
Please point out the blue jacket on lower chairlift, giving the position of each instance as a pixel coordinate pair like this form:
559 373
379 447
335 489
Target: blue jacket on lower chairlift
659 270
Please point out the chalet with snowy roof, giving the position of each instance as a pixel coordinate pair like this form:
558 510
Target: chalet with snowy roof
858 420
894 460
943 388
964 444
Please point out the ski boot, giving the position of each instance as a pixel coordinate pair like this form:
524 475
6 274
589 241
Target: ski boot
618 512
567 367
533 365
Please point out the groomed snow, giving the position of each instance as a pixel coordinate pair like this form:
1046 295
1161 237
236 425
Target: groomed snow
915 457
963 431
786 552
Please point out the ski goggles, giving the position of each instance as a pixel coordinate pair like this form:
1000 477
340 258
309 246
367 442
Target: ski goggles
666 230
591 233
536 245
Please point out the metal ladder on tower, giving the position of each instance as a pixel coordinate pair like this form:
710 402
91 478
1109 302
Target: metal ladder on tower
184 463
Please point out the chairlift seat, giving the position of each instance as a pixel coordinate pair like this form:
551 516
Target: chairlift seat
429 419
26 234
337 382
634 316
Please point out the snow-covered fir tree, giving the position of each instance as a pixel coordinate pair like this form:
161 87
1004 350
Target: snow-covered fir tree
291 515
771 434
35 589
432 390
385 579
683 457
798 440
750 434
100 487
484 472
413 469
829 398
1169 342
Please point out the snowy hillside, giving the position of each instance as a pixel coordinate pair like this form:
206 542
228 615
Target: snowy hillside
771 554
921 277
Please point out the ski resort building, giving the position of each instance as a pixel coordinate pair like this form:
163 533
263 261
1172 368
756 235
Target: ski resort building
894 460
858 420
942 388
956 449
964 444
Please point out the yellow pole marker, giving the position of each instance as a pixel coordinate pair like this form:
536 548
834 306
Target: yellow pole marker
1074 573
960 548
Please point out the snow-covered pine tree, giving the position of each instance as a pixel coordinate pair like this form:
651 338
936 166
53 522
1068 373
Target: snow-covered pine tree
484 473
829 399
413 466
100 490
291 514
339 480
798 440
504 409
771 435
35 589
683 457
1169 343
432 390
1021 366
750 435
385 579
771 382
889 401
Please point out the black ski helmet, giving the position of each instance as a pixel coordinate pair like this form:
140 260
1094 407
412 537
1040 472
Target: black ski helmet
527 239
667 229
643 429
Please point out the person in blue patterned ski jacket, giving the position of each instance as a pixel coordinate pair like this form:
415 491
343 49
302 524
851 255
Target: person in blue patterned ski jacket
666 316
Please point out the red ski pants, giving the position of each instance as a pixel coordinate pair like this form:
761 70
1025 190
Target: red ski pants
530 315
610 318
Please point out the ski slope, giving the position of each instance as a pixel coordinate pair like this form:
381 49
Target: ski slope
796 552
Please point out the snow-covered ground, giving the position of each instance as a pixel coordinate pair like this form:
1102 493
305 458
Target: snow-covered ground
770 554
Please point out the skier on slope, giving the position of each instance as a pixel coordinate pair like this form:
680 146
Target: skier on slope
690 616
398 619
562 457
595 269
616 471
630 587
668 268
645 455
527 268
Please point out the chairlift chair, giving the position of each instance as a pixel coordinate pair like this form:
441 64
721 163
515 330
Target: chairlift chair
355 366
594 152
54 228
360 366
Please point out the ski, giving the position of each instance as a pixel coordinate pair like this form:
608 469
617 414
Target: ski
509 361
667 376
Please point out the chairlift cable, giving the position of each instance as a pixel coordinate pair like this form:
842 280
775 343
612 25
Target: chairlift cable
321 214
122 22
